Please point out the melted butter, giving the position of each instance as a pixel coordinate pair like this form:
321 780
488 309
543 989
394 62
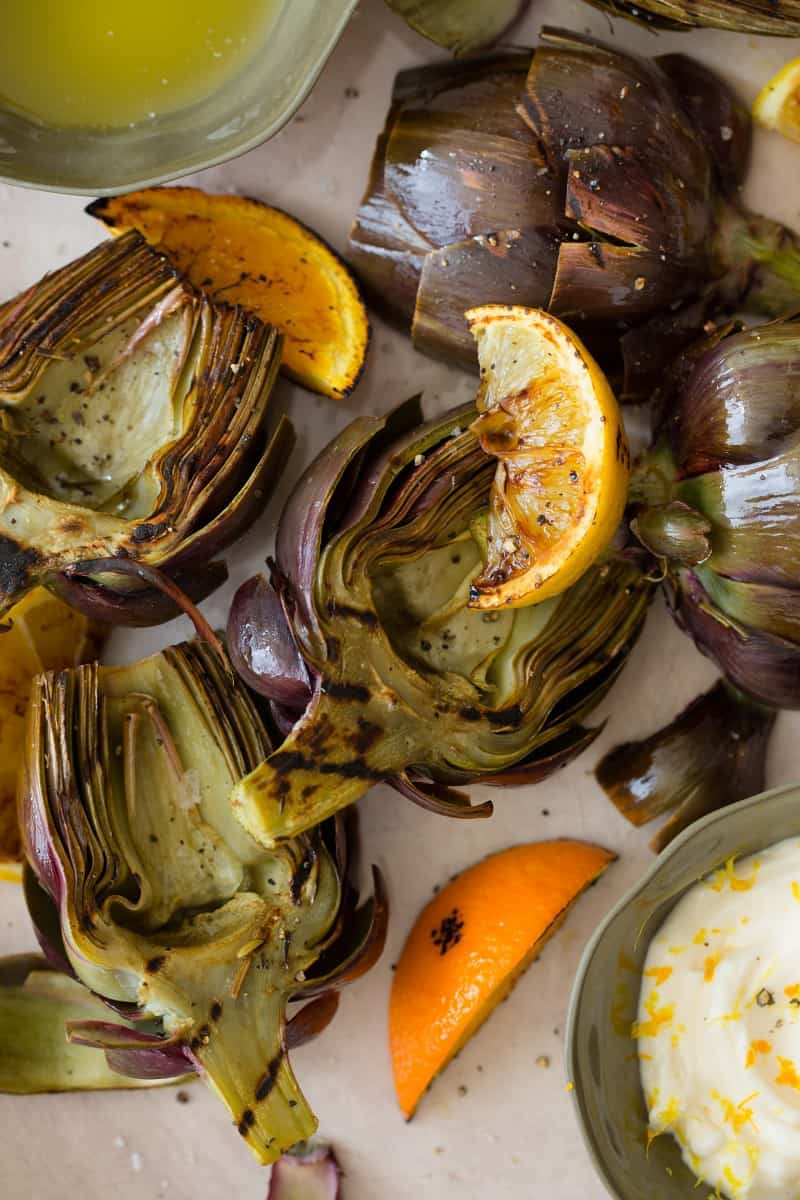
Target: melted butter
728 1088
90 63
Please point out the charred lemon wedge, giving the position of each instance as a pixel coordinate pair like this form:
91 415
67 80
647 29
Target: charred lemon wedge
777 105
40 633
240 251
549 417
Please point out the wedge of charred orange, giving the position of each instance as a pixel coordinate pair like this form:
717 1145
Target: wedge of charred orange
470 945
547 413
44 634
244 252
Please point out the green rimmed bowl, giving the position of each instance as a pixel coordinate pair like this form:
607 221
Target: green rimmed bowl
601 1055
246 111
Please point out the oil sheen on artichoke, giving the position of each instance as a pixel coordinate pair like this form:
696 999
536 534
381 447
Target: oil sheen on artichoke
91 63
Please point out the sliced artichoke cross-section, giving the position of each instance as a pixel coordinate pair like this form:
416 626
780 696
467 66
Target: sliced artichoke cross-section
133 425
152 894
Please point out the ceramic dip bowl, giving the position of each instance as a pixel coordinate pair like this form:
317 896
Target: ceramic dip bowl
601 1054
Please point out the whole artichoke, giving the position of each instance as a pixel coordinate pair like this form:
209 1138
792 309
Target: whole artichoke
149 891
577 178
377 665
718 502
781 18
133 426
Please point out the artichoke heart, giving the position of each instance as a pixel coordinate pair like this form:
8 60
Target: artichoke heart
149 890
377 551
133 425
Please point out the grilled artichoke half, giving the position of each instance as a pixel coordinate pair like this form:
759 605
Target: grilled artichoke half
781 18
367 642
718 502
148 889
577 178
133 425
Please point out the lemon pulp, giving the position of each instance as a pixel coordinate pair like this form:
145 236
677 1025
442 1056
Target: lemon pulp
94 63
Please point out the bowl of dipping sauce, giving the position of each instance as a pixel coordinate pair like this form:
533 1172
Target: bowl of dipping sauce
683 1040
98 97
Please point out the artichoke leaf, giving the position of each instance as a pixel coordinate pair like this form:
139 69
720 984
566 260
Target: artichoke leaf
36 1005
461 26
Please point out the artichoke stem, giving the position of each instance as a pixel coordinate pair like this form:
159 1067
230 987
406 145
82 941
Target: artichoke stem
758 260
242 1052
329 760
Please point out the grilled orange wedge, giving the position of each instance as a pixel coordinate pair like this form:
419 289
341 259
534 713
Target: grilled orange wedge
549 417
777 105
470 945
243 252
44 635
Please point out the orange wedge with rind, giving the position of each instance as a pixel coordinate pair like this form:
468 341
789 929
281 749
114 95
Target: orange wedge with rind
43 634
777 105
470 945
240 251
548 415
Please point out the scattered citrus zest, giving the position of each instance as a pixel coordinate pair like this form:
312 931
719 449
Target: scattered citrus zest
45 635
777 105
469 946
244 252
547 413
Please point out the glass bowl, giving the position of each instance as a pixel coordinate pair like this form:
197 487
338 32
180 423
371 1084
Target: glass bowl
243 113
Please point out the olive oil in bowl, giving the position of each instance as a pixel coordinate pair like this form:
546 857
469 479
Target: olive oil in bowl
102 63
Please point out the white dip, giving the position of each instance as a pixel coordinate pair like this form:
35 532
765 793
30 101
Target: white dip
719 1027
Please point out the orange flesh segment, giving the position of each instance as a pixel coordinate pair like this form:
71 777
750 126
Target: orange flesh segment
240 251
469 946
45 635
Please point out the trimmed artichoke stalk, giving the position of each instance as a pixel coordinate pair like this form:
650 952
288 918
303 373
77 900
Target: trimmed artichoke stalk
37 1004
577 178
712 754
781 18
717 501
367 641
162 904
133 425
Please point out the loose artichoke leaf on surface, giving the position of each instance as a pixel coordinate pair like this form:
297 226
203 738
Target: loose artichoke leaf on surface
36 1004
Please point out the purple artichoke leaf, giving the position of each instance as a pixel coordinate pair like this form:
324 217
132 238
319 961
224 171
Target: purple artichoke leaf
516 267
37 1003
117 603
439 798
262 647
306 1172
711 755
169 911
312 1019
80 350
357 948
720 116
761 665
44 918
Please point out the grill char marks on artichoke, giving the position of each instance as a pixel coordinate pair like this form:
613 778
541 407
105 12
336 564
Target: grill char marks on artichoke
574 177
163 905
376 551
133 423
779 18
